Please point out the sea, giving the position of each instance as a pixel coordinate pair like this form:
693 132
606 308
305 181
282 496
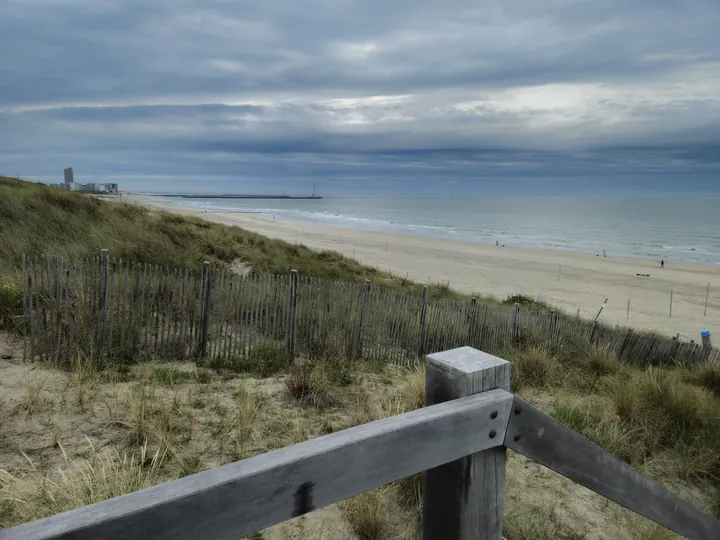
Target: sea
670 228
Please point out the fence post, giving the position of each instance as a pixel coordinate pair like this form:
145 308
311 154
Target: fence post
366 291
707 296
292 307
624 343
204 311
553 322
671 298
102 294
463 500
594 330
473 319
516 314
423 311
26 306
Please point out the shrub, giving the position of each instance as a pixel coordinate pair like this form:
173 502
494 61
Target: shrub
267 359
338 370
170 375
309 385
264 360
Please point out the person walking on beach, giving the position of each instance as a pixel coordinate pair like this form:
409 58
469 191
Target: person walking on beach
662 263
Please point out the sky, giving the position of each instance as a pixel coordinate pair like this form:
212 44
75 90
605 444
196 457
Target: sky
364 96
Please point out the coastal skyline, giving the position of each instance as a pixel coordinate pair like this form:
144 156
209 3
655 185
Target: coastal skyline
546 97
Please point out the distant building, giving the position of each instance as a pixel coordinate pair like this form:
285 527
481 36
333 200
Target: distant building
71 185
69 178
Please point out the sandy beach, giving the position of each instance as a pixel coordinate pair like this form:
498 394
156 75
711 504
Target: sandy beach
569 281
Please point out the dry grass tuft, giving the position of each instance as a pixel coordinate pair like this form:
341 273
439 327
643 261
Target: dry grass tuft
535 366
670 414
708 376
32 493
35 386
538 523
309 384
368 515
413 391
601 361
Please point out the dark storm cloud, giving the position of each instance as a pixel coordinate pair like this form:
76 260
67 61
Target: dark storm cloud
358 89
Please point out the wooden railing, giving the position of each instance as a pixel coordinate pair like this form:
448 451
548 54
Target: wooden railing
458 440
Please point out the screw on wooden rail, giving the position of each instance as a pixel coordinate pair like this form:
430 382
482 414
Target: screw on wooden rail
493 415
516 438
493 433
518 409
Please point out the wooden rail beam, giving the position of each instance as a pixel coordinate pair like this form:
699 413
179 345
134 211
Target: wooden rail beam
546 441
238 499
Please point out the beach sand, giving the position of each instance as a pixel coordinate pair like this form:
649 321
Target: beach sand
584 280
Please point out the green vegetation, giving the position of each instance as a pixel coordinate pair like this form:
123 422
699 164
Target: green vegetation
264 360
155 422
37 219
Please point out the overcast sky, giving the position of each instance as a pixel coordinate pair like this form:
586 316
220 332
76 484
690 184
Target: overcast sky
363 96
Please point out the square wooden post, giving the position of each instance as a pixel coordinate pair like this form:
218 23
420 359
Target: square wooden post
463 500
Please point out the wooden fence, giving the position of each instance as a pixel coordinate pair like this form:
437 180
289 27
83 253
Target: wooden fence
458 440
105 308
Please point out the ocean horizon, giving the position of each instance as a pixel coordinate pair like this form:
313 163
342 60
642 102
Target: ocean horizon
680 229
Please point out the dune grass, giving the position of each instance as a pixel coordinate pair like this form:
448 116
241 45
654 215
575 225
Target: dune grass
166 421
37 219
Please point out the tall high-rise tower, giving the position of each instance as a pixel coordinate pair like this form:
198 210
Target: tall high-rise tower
68 177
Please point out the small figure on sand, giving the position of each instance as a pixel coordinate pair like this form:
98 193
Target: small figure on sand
604 254
662 263
497 243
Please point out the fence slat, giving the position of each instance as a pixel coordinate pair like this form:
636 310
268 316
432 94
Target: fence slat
27 311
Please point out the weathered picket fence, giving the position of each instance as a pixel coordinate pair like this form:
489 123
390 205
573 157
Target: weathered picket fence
458 441
105 308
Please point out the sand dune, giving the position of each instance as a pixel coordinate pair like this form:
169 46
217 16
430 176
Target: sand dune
584 281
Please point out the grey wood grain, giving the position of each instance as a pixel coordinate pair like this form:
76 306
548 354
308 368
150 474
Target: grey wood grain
463 499
546 441
237 499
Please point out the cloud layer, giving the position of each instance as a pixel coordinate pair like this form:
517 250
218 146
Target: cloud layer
361 94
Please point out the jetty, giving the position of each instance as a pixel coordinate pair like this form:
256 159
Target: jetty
233 196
